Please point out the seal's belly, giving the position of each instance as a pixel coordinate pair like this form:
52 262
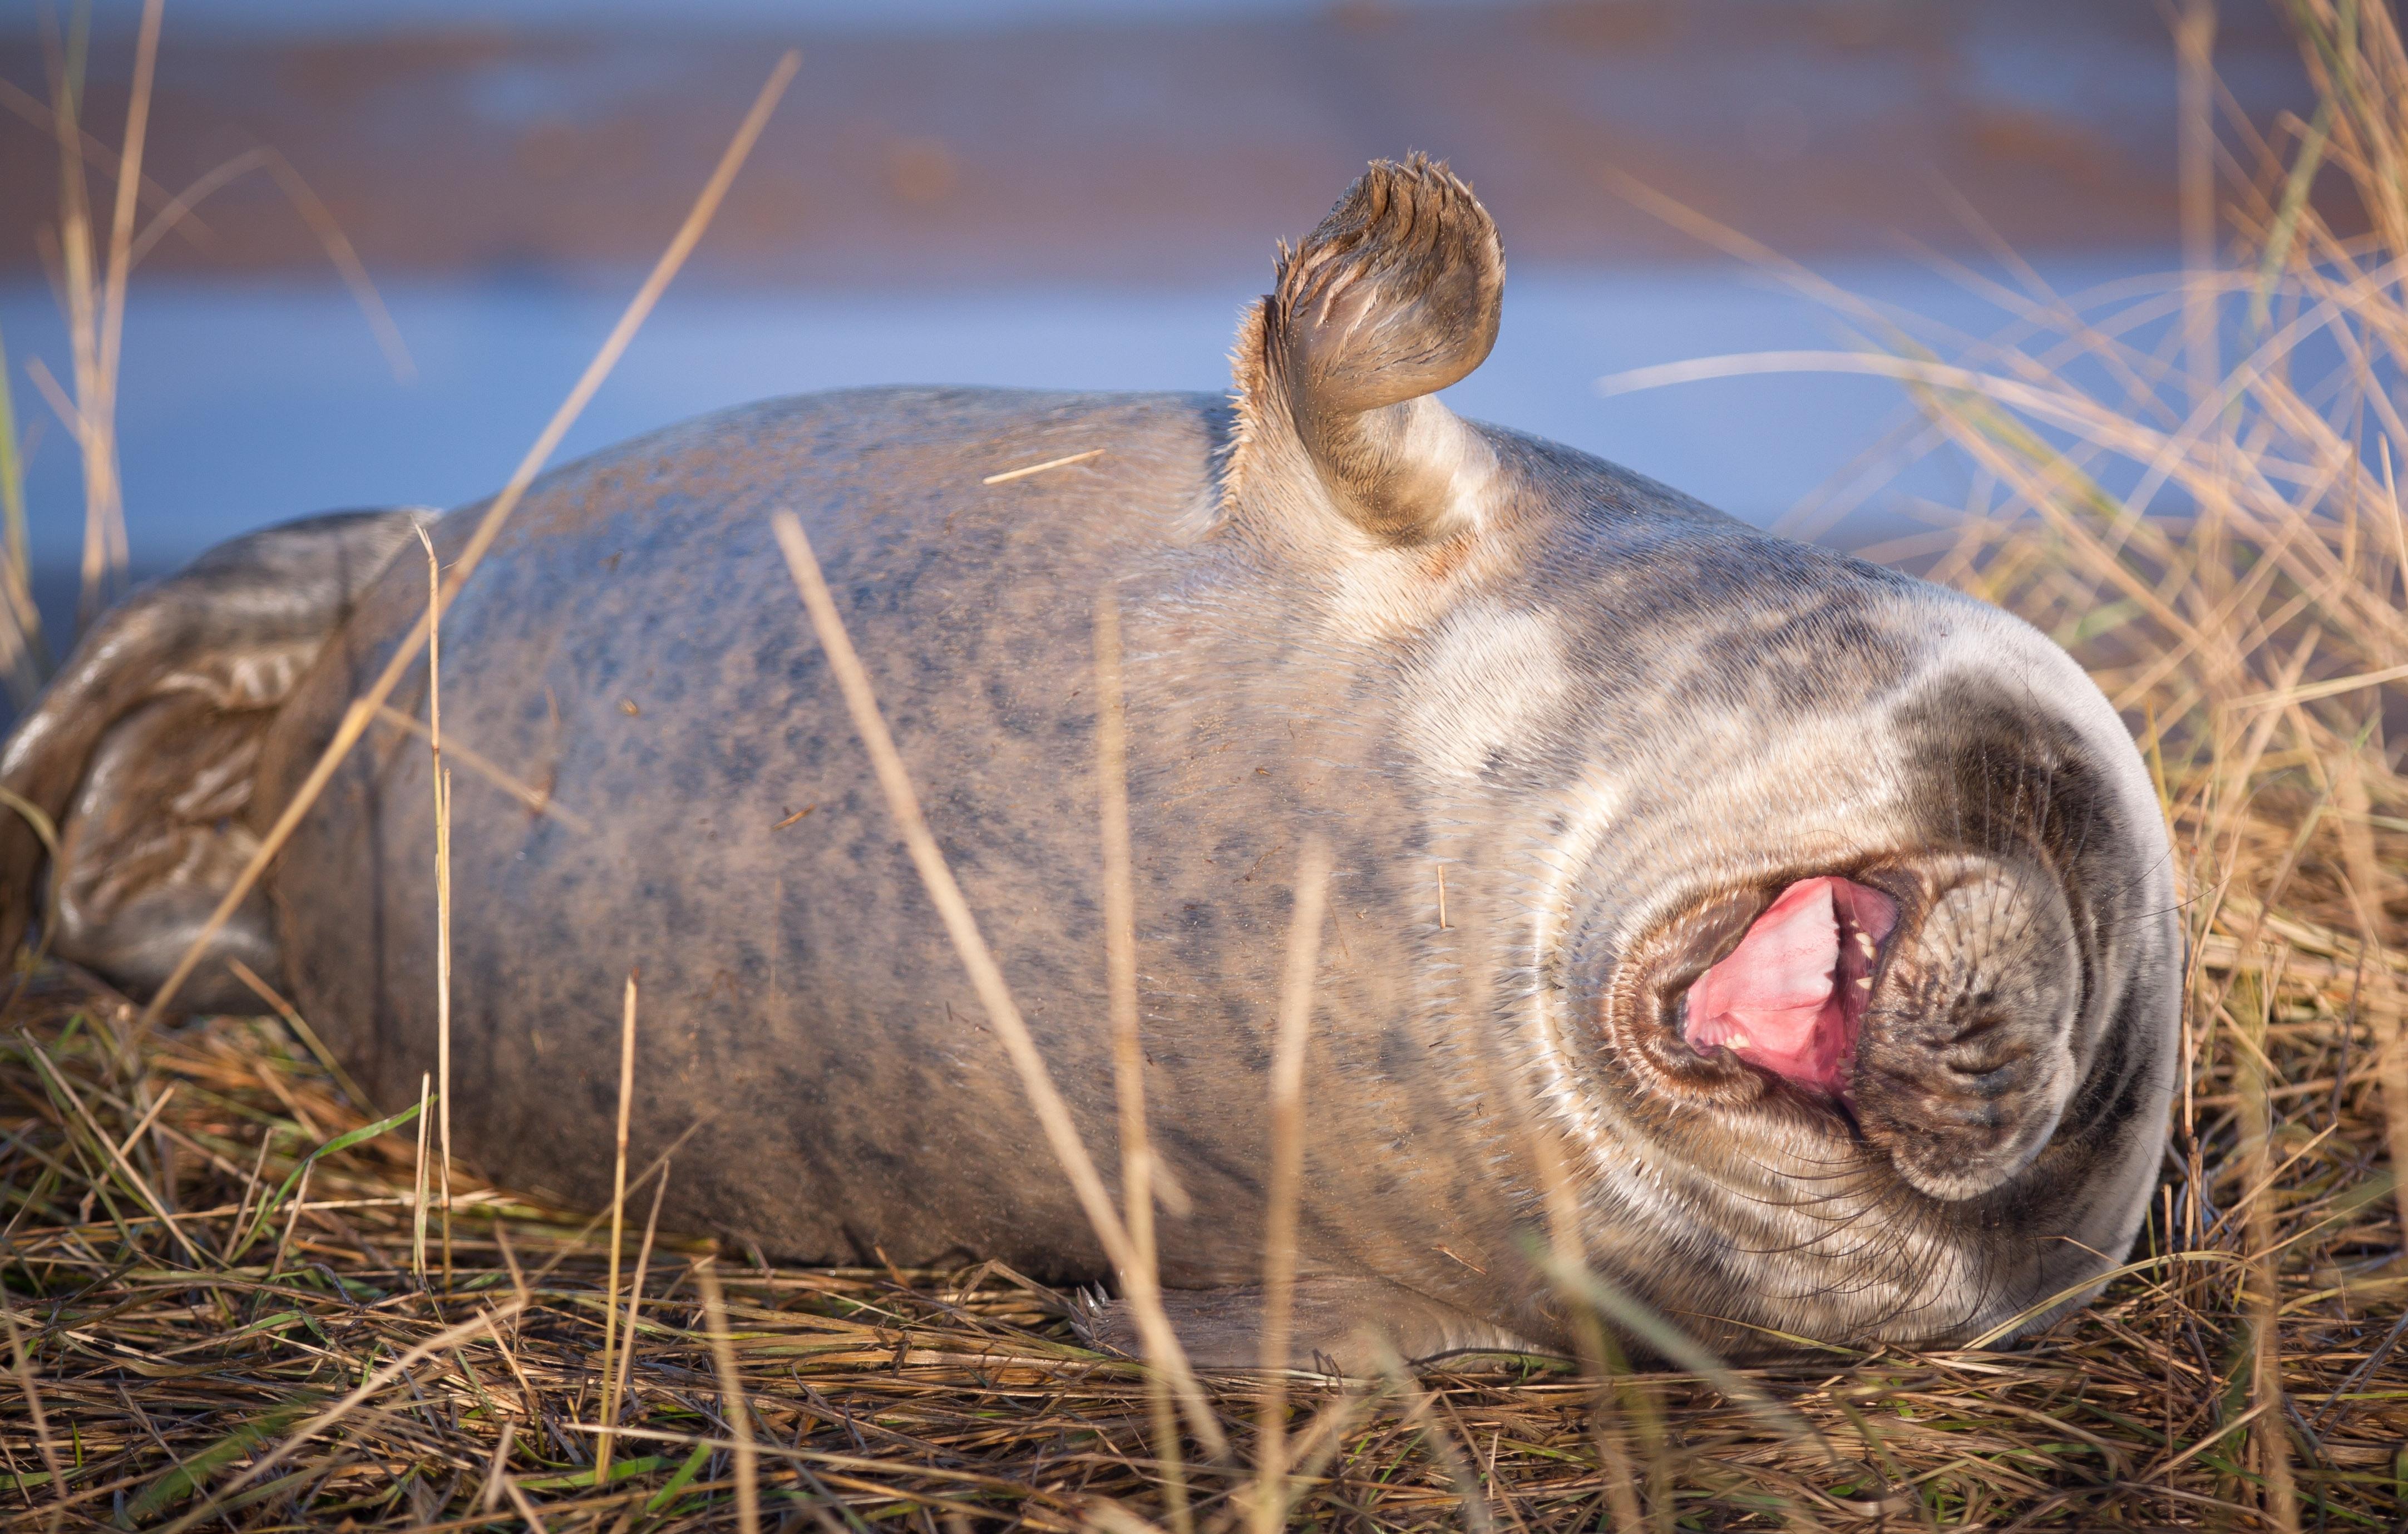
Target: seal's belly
633 652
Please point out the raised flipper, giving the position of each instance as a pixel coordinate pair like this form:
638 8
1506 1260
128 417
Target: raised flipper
1338 1327
1394 296
141 752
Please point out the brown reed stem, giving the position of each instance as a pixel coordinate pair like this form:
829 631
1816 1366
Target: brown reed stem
1129 1047
1312 890
1567 1248
21 1366
635 1288
129 183
2272 1433
418 1197
439 778
994 996
618 1227
731 1404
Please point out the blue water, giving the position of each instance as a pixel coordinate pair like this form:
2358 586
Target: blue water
247 404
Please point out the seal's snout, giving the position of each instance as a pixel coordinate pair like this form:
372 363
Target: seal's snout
1936 1020
1967 1062
1792 996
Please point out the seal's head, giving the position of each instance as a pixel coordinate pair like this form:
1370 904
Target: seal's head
1836 923
1888 983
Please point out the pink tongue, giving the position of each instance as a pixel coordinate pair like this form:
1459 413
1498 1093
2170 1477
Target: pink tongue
1774 1001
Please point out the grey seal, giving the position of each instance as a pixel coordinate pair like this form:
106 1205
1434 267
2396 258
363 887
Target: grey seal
1825 917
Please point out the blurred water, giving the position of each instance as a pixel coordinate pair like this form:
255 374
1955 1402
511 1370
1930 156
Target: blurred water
321 17
245 405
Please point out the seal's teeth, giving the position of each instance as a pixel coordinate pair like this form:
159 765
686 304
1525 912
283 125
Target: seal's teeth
1865 983
1737 1039
1865 942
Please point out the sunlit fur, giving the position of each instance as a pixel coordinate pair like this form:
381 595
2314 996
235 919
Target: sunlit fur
1564 730
1677 709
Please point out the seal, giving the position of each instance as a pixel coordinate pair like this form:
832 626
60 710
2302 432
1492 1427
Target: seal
1820 919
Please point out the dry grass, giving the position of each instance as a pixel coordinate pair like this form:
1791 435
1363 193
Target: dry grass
883 1397
218 1311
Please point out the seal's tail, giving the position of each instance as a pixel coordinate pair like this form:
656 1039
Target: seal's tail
130 780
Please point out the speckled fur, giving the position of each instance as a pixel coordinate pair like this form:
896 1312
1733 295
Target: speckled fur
1596 705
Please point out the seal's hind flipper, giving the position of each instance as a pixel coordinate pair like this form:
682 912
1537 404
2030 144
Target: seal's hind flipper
142 749
1338 1325
1395 296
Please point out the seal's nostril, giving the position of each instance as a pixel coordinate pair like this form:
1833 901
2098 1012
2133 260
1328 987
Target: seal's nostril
1986 1023
1963 1089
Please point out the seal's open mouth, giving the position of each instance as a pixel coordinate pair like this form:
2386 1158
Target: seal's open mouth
1791 997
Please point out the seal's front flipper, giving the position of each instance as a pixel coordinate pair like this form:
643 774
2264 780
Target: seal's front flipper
141 752
1338 1327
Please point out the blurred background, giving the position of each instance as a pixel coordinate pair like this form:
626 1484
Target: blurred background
421 216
